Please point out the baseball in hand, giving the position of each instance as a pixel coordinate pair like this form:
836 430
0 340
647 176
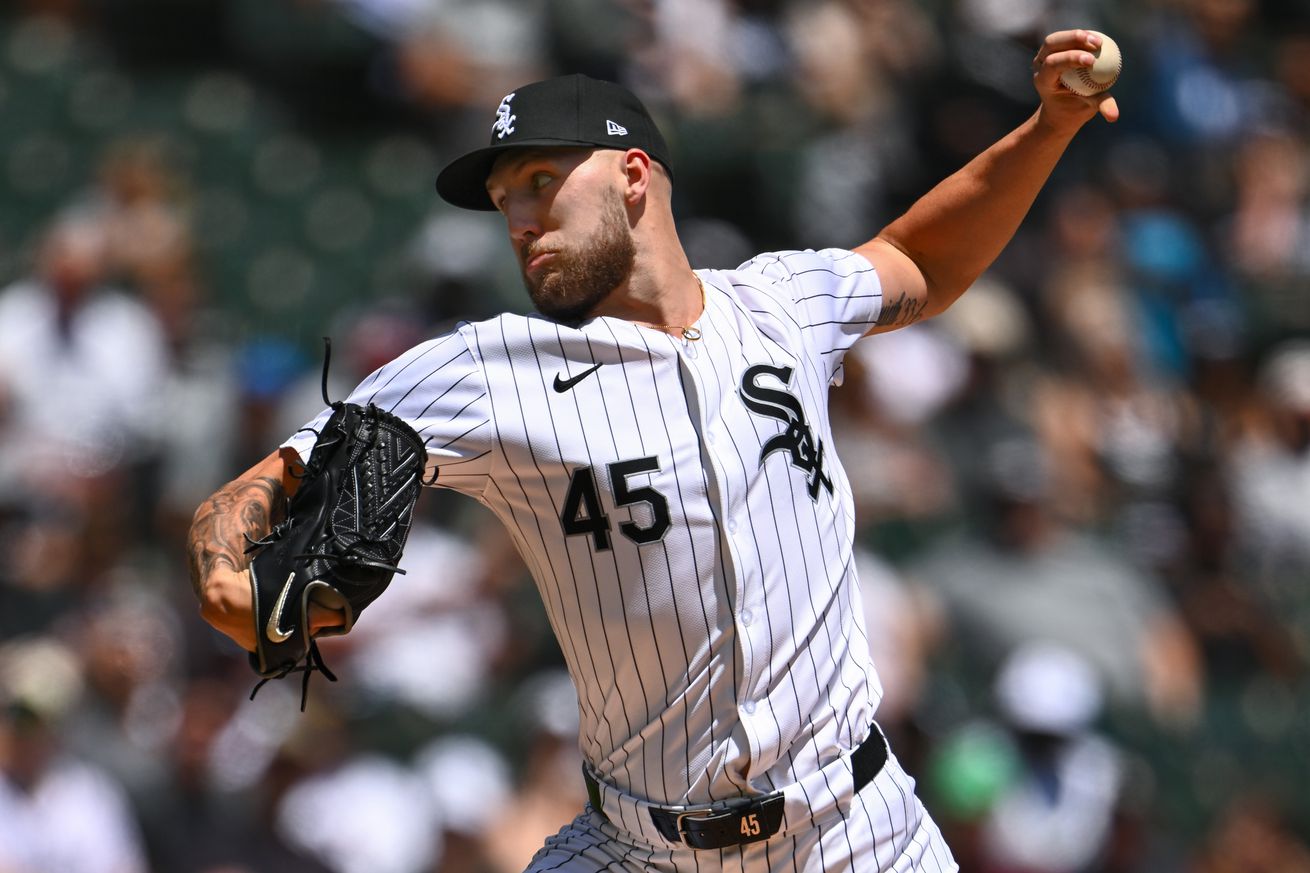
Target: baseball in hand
1086 81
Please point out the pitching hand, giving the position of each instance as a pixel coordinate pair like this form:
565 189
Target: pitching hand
1066 50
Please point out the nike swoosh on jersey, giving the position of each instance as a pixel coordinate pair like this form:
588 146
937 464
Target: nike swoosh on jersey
273 630
562 385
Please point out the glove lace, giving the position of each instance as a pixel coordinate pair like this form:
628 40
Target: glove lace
313 663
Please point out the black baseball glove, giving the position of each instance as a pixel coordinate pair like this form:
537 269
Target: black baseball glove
341 539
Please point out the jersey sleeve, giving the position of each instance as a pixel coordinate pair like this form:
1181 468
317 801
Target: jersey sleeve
834 294
438 388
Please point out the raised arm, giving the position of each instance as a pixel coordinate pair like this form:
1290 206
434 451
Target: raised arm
930 255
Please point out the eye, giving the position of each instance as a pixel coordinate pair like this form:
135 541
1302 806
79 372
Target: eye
540 180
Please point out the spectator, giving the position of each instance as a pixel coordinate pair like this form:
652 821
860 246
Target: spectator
1270 476
1029 576
58 813
81 363
1057 815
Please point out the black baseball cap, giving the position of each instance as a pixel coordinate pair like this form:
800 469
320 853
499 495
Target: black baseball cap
567 112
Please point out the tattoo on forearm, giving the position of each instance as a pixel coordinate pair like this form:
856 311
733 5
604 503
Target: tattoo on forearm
902 311
218 531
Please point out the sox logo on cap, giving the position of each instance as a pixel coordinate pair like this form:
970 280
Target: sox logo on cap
504 124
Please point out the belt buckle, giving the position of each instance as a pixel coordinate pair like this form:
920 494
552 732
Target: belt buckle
756 819
691 813
708 812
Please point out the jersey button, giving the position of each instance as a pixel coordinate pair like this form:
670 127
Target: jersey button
709 437
732 525
749 707
747 617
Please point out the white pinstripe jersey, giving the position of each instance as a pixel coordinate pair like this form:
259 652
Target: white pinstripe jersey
678 504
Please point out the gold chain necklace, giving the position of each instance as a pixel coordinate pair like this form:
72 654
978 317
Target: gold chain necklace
690 333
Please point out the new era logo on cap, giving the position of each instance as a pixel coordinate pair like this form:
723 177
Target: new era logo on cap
564 112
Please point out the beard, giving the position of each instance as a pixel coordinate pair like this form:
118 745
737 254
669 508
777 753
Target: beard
577 279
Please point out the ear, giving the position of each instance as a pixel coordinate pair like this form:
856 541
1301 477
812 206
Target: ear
637 175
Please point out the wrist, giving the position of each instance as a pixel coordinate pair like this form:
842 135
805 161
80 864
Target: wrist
218 590
1058 124
226 603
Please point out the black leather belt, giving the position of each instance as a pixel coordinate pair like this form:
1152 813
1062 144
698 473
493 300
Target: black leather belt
742 820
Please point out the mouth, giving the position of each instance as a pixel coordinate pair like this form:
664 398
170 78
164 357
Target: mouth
537 260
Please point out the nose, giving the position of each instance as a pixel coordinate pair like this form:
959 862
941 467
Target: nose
521 218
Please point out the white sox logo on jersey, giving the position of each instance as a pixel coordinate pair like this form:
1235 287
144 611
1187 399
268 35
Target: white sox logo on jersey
797 440
504 123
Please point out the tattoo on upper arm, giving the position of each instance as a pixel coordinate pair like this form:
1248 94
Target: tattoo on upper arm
218 533
902 310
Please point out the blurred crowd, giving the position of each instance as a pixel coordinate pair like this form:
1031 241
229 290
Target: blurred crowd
1083 492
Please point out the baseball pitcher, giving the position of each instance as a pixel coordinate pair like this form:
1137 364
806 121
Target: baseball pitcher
656 441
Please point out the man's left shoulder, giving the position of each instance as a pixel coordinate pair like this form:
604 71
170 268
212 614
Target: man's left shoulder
793 264
800 278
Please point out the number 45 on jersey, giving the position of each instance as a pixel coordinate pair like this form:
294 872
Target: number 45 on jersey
582 513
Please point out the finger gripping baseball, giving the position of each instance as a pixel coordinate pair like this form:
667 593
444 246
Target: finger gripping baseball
342 538
1104 71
